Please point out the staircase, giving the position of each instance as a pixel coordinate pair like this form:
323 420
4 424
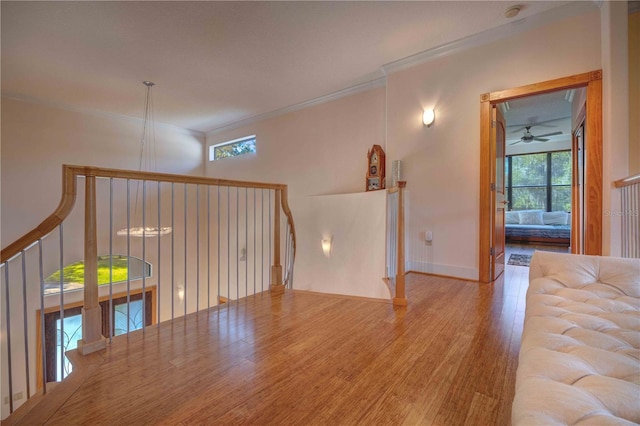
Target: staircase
190 244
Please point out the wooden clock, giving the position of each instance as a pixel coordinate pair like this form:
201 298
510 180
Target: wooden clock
375 169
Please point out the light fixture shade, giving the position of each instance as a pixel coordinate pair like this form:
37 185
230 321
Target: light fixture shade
181 293
428 117
148 231
326 247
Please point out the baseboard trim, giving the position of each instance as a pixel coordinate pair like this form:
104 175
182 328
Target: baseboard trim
457 272
443 276
343 296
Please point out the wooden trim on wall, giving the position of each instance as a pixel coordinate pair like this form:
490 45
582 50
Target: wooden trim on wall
576 213
578 80
593 169
484 264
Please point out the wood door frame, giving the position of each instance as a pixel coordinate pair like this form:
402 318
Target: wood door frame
576 183
593 167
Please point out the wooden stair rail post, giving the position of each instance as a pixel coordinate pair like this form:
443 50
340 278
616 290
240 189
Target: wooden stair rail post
277 287
92 338
401 298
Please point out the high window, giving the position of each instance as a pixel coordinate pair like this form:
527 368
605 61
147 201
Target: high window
233 148
539 181
123 268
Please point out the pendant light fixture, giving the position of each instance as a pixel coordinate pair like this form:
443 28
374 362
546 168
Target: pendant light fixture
147 163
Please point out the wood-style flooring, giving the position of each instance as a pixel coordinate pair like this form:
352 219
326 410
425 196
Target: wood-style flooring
449 358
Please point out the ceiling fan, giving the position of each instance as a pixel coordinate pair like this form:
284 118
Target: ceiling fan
529 137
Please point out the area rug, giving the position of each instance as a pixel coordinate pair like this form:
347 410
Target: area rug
519 259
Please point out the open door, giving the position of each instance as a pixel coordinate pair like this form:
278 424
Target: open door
577 187
490 218
498 137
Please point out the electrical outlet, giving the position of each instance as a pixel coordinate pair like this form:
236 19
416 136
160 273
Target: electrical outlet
16 397
243 255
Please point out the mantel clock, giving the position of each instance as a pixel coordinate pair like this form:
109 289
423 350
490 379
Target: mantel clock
375 169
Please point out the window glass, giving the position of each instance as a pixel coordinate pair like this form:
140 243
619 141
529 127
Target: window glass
123 268
529 169
66 342
539 181
561 198
233 148
561 168
58 342
529 198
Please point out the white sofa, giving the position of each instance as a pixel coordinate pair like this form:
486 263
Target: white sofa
536 226
580 355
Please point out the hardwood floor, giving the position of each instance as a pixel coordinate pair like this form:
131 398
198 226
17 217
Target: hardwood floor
449 358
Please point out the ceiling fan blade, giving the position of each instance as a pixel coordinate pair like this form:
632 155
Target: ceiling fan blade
549 134
517 130
540 139
515 142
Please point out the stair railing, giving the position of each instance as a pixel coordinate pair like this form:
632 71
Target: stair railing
185 243
630 215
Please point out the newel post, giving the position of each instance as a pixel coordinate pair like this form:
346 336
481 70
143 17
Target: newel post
401 298
277 286
92 339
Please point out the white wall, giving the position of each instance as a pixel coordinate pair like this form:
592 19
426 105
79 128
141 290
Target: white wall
321 150
634 93
316 151
615 119
352 222
441 162
38 139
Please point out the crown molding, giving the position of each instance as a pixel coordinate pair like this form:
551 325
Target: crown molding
363 87
488 36
94 112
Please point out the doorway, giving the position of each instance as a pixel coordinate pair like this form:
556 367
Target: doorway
492 211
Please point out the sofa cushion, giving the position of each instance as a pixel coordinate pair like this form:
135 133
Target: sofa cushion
512 218
531 218
556 218
580 353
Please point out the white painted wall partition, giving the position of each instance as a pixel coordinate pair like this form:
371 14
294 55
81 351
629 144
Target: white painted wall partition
356 225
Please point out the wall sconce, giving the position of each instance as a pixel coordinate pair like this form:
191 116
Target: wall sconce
181 293
326 247
428 117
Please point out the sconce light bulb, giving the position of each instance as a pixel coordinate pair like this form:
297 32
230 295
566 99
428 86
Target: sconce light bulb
428 117
326 247
181 293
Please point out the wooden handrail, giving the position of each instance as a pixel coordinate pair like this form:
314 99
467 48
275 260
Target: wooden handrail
631 180
284 200
69 191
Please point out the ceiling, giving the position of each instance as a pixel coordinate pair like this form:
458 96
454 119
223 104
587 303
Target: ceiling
217 63
546 113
